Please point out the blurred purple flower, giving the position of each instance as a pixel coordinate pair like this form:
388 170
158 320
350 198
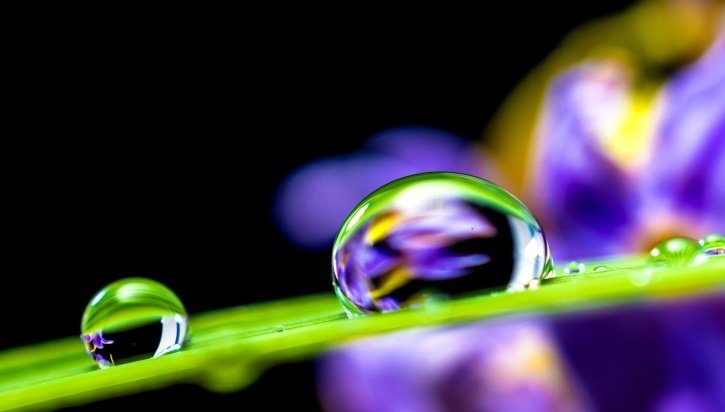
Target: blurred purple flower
600 189
643 356
493 366
313 202
649 356
613 174
585 199
686 175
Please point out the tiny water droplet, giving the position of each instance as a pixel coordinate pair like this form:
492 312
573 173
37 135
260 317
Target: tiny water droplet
133 319
674 252
457 234
713 244
601 268
279 328
574 267
713 248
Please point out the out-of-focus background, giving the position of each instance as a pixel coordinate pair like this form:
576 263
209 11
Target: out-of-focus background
197 155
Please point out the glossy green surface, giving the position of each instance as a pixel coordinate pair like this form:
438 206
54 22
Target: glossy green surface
231 347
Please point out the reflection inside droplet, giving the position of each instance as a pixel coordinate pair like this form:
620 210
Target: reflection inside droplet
435 234
133 319
712 249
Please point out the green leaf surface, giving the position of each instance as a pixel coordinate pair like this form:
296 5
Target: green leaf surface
230 348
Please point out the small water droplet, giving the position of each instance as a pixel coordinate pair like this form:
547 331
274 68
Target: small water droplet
279 328
713 248
574 267
601 268
675 252
713 244
132 319
456 233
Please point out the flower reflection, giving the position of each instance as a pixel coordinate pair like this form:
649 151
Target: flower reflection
95 341
413 242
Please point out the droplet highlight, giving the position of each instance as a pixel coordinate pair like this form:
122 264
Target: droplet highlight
440 235
133 319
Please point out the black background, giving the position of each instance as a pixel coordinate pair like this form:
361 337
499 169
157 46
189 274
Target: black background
154 149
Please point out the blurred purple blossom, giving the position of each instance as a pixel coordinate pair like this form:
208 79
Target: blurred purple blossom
595 202
600 189
584 197
314 200
686 175
511 366
642 356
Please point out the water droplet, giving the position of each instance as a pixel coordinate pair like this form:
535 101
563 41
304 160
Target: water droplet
279 328
713 245
133 319
712 248
574 267
674 252
601 268
456 234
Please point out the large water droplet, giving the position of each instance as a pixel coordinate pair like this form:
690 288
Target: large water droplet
435 234
674 252
712 248
133 319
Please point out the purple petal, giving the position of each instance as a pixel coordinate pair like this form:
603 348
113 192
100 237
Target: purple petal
584 199
688 163
428 149
659 351
314 200
636 357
